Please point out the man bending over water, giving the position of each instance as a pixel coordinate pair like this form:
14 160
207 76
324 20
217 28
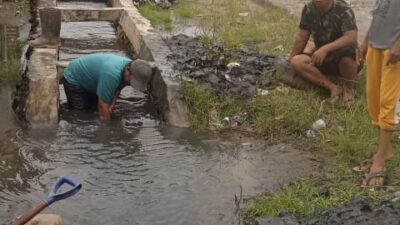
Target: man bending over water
94 81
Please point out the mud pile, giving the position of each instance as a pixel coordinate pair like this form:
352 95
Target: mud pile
162 3
355 212
237 73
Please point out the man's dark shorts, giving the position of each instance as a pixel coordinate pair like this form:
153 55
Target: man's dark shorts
78 98
330 66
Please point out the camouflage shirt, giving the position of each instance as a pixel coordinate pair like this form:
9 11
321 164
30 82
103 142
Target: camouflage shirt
326 27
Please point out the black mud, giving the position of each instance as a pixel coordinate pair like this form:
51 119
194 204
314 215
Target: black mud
161 3
236 73
355 212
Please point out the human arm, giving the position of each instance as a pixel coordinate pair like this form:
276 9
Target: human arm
107 92
300 42
114 101
363 48
104 110
348 39
394 53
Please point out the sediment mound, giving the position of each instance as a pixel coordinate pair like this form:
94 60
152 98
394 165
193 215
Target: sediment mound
237 73
355 212
162 3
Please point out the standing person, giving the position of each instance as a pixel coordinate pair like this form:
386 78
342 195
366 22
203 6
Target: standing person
332 25
381 48
94 81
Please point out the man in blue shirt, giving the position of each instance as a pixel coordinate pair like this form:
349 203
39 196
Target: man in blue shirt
95 81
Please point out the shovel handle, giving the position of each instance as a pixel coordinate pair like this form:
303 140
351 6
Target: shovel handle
29 215
51 198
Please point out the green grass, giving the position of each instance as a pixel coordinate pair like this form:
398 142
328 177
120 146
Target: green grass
236 24
158 16
203 104
10 71
303 198
282 113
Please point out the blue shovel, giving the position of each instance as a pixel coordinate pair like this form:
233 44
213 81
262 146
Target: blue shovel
52 197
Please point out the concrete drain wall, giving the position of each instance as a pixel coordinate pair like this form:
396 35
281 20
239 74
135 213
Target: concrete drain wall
44 71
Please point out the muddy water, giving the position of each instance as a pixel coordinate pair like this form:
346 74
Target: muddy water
134 169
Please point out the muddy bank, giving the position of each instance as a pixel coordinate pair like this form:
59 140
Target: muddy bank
358 211
162 3
237 73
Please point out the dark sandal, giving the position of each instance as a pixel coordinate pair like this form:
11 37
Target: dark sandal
364 166
368 176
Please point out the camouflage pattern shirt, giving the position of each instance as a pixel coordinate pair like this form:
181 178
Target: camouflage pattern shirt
326 27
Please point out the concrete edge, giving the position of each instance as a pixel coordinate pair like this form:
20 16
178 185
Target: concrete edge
77 14
150 46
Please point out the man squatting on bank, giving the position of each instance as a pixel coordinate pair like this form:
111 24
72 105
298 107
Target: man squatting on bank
332 25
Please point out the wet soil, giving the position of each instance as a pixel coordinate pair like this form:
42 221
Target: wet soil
161 3
358 211
224 72
12 14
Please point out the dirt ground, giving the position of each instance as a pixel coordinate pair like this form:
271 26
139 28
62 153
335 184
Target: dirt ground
355 212
13 15
361 8
210 66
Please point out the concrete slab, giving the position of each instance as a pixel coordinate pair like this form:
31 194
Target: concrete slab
43 97
95 14
121 3
149 46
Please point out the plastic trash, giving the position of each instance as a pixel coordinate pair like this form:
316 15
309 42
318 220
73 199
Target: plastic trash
319 124
232 64
311 133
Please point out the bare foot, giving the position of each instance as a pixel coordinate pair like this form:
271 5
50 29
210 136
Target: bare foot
365 166
336 91
376 174
348 97
335 94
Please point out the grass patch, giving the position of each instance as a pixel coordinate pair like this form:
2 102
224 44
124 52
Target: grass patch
282 113
158 16
302 198
10 71
205 108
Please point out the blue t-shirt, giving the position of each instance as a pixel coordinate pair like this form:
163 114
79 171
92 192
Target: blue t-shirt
98 73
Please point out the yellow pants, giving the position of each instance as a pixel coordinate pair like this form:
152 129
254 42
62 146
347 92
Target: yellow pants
383 89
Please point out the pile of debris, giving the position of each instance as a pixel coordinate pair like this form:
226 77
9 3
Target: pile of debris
357 211
161 3
240 74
